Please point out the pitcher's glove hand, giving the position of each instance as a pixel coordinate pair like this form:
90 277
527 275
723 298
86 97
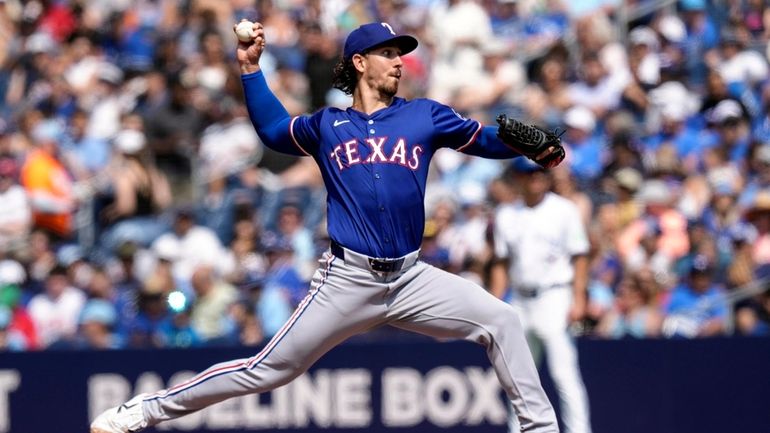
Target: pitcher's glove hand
531 141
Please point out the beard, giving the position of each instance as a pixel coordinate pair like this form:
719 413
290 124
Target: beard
388 88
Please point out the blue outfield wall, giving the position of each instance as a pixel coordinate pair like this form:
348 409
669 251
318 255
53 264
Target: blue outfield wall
650 386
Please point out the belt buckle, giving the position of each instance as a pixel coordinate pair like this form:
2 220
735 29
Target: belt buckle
380 265
528 292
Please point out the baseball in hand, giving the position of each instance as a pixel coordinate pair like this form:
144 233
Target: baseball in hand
245 31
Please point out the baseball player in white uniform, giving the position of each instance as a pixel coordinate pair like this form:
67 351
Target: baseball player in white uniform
541 245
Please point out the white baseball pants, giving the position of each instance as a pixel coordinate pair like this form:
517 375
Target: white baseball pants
544 318
346 300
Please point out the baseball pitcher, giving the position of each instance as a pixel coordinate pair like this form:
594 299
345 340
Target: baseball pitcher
374 159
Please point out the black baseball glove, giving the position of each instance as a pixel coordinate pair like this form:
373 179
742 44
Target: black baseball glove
530 141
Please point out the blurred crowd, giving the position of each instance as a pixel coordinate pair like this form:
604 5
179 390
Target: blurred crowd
138 207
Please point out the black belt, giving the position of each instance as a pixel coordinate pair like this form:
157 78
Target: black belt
534 292
377 265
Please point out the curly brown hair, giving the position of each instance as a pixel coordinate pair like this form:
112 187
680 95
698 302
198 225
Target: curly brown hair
345 76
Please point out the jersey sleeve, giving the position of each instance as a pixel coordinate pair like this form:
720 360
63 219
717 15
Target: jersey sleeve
269 117
452 130
467 135
305 132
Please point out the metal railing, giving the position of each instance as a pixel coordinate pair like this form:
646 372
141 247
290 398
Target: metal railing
629 13
687 323
747 291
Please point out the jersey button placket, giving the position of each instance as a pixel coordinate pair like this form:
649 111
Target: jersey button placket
378 176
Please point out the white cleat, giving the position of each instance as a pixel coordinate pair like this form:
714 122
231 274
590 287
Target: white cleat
126 418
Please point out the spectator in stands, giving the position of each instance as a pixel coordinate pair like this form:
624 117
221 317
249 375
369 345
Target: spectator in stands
167 252
740 273
702 38
597 89
211 71
15 213
96 325
587 151
105 103
141 192
604 273
643 56
458 30
10 339
674 133
140 329
230 143
122 268
741 68
87 155
282 288
48 183
547 97
177 329
209 314
752 317
11 297
248 260
497 88
759 176
658 201
172 129
197 245
732 130
628 181
717 91
722 214
246 323
322 52
430 251
291 226
759 216
55 312
634 313
30 77
755 15
760 130
101 287
697 307
470 245
703 244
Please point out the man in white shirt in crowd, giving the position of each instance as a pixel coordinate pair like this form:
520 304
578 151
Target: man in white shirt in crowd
15 213
541 248
55 312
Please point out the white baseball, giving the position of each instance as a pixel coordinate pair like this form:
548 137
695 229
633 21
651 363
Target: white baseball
245 31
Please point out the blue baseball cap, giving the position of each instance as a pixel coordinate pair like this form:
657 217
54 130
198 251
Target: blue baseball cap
368 36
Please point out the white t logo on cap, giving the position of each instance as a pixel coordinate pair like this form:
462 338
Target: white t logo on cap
390 29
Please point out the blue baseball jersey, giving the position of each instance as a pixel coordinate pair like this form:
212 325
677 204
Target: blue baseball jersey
374 167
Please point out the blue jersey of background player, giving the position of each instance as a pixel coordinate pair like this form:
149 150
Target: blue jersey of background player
373 156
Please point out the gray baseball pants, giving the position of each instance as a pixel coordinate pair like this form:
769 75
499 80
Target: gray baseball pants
347 298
